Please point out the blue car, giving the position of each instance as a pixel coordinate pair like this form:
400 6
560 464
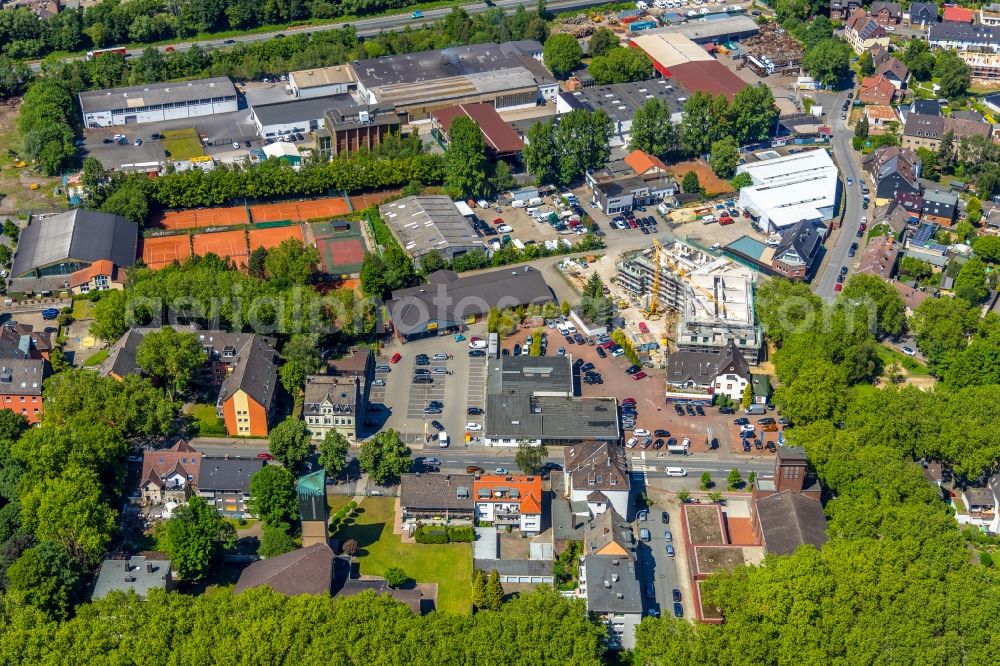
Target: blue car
417 14
50 313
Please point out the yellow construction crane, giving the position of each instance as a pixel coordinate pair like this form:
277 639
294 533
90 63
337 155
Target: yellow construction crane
654 295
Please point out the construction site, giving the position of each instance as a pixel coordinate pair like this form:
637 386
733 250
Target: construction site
771 51
694 299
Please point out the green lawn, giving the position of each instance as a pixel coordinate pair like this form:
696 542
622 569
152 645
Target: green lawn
335 502
914 367
208 421
448 565
82 309
96 359
183 144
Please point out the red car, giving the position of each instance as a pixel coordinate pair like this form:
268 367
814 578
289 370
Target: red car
395 358
725 219
628 401
498 221
632 224
607 345
643 328
263 455
838 286
639 375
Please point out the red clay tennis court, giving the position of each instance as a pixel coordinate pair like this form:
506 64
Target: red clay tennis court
341 256
200 218
299 211
161 251
362 201
274 236
232 244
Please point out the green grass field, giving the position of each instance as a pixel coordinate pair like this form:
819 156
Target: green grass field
183 144
82 309
208 421
914 367
448 565
96 359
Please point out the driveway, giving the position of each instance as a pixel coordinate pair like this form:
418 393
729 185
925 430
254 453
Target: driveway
655 566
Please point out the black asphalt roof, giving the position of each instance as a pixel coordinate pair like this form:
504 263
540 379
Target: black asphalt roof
80 235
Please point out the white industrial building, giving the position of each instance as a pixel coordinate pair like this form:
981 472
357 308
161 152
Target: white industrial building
322 81
789 189
156 102
293 115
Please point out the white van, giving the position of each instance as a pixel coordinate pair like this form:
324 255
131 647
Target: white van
443 439
531 211
477 344
756 410
641 6
673 471
536 201
519 204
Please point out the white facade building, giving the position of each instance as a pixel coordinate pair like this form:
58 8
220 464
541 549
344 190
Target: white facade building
787 190
156 102
322 81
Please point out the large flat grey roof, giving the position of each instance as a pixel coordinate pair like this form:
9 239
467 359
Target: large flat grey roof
530 375
425 223
293 110
621 100
521 416
151 94
136 573
449 298
444 63
79 235
612 585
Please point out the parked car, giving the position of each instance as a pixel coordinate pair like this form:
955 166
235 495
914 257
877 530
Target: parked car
476 353
660 432
473 469
600 352
679 410
665 518
700 410
641 432
644 534
676 595
382 368
639 375
908 351
667 536
473 427
690 410
725 409
474 411
423 379
502 471
741 421
670 550
632 369
395 358
437 425
678 608
421 371
378 382
263 455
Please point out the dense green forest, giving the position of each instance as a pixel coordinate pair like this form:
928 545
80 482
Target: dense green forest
898 582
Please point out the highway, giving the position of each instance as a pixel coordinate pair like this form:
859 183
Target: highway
364 27
836 254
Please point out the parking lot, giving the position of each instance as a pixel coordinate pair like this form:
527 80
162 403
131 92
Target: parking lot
457 383
656 567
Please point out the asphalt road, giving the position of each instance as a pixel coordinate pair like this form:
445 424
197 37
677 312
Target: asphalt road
364 27
836 254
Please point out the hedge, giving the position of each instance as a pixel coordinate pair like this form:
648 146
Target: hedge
430 534
461 533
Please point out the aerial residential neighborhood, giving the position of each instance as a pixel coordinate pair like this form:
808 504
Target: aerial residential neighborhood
658 332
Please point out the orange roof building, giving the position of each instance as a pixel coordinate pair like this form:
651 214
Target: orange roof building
100 276
509 500
645 164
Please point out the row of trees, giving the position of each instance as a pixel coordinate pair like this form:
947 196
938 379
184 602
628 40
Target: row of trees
846 601
111 22
264 626
707 121
560 154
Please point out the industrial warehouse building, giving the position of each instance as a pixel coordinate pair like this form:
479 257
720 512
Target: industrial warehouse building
423 224
508 76
787 190
51 250
449 302
322 81
156 102
676 56
292 115
729 29
621 100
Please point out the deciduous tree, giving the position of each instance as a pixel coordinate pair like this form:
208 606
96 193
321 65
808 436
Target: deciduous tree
272 495
290 442
562 54
172 357
465 160
196 537
529 459
725 157
652 129
384 456
333 453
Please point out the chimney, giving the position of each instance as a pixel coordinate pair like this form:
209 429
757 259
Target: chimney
614 578
607 585
620 595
